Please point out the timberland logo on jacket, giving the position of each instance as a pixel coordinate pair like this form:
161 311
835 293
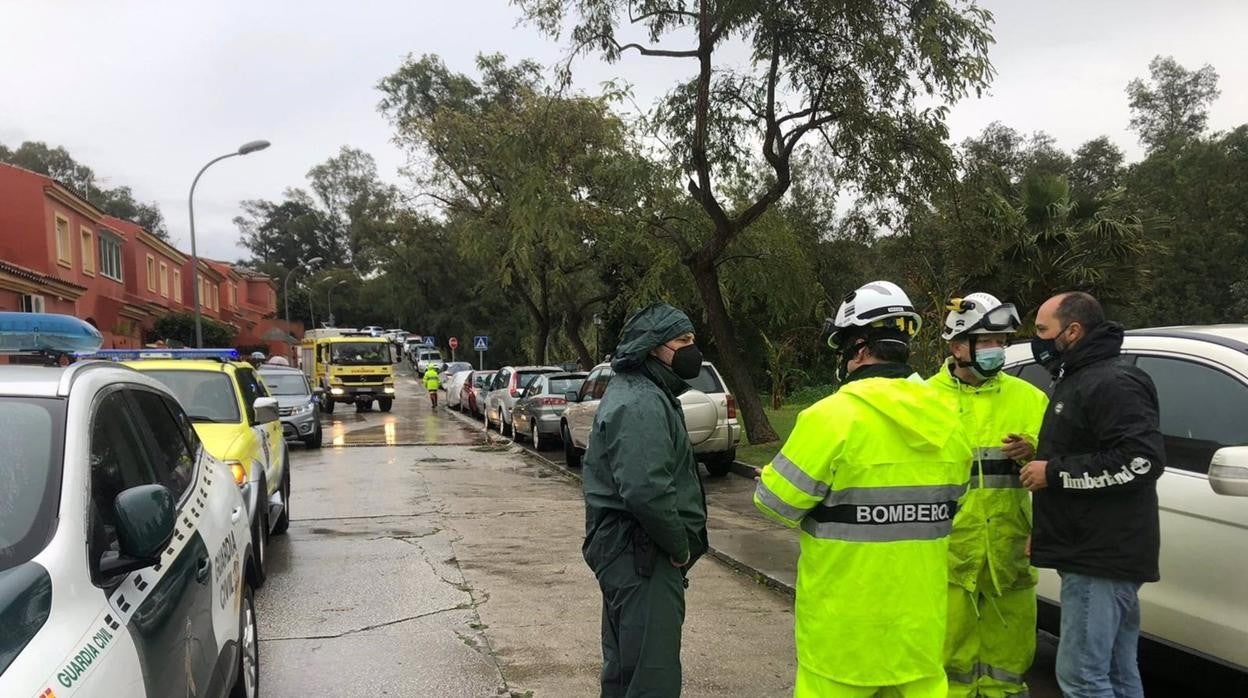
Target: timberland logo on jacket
1137 466
1057 409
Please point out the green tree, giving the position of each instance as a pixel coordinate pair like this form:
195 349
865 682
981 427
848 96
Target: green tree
846 74
180 328
1173 106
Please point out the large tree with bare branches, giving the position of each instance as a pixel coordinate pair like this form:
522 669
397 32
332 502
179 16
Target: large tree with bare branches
866 81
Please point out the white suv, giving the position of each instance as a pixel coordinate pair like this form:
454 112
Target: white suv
710 417
125 552
1200 606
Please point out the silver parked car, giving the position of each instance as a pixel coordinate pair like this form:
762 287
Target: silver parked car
537 412
505 389
297 403
710 417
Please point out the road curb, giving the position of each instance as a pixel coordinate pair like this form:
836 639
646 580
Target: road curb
732 562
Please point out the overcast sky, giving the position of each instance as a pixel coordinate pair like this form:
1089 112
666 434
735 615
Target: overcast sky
147 91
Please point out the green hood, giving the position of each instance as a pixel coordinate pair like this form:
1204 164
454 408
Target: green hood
920 418
648 328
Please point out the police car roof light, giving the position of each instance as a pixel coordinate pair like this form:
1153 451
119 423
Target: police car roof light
141 354
48 334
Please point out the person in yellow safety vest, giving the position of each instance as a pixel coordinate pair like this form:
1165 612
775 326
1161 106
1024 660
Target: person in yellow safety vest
872 475
432 383
991 636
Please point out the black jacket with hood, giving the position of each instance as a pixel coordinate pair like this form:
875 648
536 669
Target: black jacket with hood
1098 516
639 467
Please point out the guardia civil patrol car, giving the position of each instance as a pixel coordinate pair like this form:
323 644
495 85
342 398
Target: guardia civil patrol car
124 544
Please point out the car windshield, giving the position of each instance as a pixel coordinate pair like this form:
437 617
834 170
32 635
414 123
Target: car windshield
285 383
207 396
559 386
31 439
706 381
360 354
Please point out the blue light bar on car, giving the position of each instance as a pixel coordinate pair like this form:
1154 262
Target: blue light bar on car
46 333
140 354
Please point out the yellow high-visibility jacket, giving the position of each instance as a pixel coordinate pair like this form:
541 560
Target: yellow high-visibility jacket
990 531
872 476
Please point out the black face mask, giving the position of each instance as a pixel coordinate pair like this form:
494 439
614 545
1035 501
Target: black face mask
1046 352
687 362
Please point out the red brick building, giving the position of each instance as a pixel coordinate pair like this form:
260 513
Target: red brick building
61 254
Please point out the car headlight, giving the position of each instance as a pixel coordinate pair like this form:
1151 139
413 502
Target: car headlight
389 388
336 391
302 409
238 471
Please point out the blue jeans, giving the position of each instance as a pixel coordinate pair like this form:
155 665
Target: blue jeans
1100 635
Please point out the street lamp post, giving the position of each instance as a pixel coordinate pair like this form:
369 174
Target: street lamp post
244 149
329 301
286 284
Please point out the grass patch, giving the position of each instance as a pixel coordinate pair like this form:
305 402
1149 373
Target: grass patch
782 420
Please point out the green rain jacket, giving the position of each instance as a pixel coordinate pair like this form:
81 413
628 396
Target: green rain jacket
871 475
639 468
987 550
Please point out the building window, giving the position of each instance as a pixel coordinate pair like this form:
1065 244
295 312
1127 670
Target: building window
151 273
32 303
64 251
164 280
177 286
110 257
88 252
233 296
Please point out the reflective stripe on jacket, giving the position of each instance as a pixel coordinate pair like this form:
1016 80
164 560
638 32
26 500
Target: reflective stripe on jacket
871 475
989 540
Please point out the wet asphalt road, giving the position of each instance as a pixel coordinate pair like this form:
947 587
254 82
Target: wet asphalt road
375 591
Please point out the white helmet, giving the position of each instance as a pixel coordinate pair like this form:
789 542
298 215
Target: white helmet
979 313
877 304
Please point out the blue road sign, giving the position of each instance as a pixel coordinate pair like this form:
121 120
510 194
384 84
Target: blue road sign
481 342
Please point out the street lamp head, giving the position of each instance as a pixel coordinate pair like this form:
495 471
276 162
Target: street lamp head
314 260
340 283
252 146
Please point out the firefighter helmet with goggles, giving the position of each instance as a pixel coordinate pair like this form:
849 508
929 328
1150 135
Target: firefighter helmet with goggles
979 313
877 305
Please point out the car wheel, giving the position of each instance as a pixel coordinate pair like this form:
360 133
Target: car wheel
385 405
570 455
283 519
720 464
315 440
536 438
260 544
247 682
515 431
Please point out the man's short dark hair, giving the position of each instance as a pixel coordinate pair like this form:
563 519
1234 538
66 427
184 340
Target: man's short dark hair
1082 308
889 350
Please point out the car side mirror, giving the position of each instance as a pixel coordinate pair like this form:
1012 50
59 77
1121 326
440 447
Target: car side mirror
1228 472
266 410
145 521
572 396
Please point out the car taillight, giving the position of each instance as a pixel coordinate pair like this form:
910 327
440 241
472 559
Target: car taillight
732 407
552 401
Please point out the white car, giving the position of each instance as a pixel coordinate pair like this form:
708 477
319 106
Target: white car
426 356
1200 606
455 390
710 417
125 552
374 330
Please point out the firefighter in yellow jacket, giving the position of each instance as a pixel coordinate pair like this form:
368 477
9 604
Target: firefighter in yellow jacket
872 476
991 637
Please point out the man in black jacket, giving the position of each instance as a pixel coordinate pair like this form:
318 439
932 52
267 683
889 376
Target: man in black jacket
1095 485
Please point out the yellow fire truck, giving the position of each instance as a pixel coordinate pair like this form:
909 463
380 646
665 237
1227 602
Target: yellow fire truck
349 367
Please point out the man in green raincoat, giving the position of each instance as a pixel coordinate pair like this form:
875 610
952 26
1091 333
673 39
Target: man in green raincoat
991 631
432 383
645 511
